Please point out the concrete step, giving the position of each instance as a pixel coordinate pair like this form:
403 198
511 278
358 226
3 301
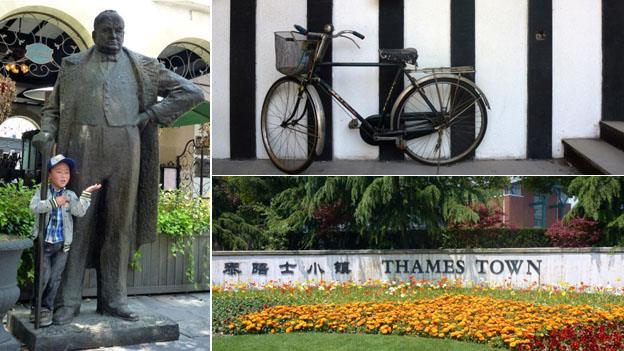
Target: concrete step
594 156
613 133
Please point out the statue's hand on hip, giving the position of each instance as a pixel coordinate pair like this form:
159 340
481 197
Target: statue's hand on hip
143 118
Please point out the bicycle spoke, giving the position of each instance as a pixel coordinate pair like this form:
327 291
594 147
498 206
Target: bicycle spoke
463 111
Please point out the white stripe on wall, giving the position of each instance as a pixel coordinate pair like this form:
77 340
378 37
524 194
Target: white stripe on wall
501 63
577 70
358 86
220 121
428 29
271 16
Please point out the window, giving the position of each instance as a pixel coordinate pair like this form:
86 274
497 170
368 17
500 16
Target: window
514 189
539 211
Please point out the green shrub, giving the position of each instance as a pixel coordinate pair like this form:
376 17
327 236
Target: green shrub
493 238
17 219
183 218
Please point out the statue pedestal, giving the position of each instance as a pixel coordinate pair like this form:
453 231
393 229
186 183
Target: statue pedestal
91 330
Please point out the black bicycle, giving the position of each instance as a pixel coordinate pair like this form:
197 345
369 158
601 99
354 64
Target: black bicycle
437 119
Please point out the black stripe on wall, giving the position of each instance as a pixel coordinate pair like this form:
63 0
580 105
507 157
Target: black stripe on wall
462 54
242 79
539 128
391 36
612 62
320 13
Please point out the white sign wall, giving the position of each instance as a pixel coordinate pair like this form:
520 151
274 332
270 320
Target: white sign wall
598 267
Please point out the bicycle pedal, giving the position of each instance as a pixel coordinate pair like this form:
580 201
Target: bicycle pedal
354 124
401 144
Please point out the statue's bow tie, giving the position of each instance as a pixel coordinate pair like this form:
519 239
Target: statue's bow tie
108 58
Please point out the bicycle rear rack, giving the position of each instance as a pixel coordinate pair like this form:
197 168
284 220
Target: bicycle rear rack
447 70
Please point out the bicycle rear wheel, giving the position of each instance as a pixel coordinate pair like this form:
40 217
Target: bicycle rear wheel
290 131
458 120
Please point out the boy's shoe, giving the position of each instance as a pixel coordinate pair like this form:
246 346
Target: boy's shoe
45 316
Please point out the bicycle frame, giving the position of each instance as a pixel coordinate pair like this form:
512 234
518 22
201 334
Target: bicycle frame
400 71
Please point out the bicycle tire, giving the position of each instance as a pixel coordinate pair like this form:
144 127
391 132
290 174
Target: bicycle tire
465 115
291 146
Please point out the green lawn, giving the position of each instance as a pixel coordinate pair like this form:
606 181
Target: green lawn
339 342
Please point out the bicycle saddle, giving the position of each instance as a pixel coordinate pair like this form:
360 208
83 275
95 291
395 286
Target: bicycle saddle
408 55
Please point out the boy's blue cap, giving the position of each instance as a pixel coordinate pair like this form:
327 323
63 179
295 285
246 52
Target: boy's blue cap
55 160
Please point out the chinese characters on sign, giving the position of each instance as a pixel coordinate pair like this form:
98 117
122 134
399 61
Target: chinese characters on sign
259 268
231 268
262 268
397 266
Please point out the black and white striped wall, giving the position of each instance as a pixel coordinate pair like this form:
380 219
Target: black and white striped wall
551 69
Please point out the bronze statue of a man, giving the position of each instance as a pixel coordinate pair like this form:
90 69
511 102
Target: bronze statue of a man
103 113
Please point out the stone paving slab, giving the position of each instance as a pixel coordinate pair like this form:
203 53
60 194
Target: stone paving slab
190 311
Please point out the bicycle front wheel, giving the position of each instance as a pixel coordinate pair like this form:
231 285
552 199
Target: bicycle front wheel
290 131
453 111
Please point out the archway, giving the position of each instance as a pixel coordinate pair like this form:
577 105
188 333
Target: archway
33 41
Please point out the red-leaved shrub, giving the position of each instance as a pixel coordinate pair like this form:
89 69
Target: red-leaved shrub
603 337
489 218
577 232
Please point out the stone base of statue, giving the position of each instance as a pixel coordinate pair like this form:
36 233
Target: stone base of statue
92 330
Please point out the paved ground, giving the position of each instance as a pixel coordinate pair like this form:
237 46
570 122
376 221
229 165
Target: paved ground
190 311
481 167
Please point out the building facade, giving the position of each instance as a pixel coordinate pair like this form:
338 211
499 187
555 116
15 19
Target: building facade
523 208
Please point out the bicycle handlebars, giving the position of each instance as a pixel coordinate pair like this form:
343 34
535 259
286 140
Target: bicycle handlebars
357 34
300 29
304 31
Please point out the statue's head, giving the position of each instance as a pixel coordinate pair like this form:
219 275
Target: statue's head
108 32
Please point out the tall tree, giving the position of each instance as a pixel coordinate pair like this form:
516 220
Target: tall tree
240 205
601 199
384 209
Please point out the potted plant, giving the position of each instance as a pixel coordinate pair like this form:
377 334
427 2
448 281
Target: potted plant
16 222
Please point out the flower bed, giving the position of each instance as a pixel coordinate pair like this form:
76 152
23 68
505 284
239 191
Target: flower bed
538 316
480 319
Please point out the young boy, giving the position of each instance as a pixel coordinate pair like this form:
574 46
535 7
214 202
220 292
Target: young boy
59 207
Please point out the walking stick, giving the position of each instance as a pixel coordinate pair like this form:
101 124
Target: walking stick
45 155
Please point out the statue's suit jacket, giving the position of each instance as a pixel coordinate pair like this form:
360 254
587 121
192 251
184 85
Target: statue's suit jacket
153 80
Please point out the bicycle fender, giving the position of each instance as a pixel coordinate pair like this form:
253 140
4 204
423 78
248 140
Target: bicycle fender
461 78
320 116
469 82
